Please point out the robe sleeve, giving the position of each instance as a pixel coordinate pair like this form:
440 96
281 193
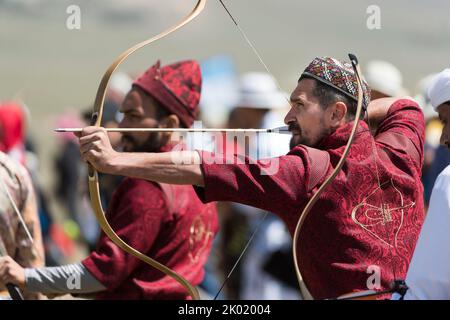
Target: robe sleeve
276 184
404 119
137 212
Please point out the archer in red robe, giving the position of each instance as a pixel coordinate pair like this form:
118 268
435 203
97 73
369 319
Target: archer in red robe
359 225
362 232
167 223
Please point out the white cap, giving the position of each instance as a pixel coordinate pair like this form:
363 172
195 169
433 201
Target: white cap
384 77
439 90
120 82
422 96
259 90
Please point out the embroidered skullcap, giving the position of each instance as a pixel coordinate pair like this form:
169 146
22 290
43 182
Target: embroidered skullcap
339 75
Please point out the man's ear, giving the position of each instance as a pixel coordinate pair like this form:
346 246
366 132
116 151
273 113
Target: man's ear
171 121
338 113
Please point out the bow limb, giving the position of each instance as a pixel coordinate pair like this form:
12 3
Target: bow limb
101 92
94 190
304 289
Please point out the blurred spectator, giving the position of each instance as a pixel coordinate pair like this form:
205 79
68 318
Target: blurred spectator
52 252
20 230
423 99
384 79
436 157
12 131
428 274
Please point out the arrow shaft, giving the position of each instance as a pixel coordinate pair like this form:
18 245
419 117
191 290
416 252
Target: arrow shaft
274 130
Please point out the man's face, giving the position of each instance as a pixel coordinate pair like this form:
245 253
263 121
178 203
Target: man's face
139 111
444 116
306 118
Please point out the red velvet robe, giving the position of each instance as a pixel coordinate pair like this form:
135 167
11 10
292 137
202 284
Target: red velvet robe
356 227
167 223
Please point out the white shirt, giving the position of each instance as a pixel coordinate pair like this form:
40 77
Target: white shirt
428 275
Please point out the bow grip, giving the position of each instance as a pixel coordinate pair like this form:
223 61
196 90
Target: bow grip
14 291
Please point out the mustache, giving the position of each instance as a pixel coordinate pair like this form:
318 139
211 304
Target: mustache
293 126
151 144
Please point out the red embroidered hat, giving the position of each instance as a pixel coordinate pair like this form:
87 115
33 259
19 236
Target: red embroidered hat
176 87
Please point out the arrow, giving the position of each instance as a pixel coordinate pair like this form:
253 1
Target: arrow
280 130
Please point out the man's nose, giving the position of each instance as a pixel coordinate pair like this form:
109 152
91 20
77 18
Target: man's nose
289 117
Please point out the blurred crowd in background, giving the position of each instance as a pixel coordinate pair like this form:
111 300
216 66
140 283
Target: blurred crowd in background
229 100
